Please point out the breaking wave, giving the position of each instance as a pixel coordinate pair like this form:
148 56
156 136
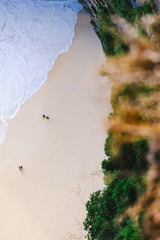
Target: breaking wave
32 34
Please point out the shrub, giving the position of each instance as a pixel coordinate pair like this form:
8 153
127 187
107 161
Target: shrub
104 206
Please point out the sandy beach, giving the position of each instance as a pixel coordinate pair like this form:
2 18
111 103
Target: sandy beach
61 156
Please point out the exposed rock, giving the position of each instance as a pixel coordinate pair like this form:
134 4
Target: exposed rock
91 6
157 2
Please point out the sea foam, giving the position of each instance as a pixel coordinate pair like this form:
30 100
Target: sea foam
32 34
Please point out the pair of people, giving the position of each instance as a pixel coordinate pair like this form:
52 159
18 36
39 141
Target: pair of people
44 116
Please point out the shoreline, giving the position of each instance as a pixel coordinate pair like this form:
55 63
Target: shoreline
61 156
32 37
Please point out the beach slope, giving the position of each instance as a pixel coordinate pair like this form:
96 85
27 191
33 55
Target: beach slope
61 157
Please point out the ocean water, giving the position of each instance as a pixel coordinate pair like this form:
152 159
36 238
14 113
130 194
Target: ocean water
32 34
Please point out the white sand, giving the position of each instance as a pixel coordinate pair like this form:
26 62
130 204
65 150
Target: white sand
62 156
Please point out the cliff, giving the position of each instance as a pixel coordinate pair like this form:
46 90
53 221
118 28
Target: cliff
91 7
100 12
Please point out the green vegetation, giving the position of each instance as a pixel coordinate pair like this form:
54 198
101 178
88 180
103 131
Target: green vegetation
127 168
132 91
112 38
126 163
104 207
131 156
114 44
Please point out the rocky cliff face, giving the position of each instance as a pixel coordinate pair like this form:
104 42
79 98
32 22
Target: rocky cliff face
124 8
91 7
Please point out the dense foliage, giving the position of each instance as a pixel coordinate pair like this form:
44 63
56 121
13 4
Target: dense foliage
110 35
128 163
104 207
131 157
